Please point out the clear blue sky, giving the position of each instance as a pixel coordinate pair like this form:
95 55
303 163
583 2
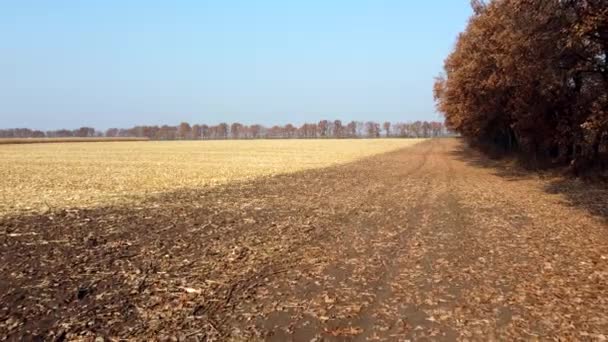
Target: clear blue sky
121 63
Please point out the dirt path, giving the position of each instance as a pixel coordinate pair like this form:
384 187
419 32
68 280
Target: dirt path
429 242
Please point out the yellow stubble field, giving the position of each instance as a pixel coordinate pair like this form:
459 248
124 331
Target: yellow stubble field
39 177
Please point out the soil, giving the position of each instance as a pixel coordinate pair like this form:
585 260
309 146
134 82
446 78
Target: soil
430 242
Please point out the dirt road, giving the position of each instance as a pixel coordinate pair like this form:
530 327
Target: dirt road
430 242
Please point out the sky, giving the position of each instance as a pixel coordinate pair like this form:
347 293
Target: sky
66 64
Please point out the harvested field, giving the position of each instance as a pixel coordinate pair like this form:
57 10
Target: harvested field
17 141
431 242
41 177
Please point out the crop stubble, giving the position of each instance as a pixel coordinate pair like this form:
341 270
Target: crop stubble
429 242
43 177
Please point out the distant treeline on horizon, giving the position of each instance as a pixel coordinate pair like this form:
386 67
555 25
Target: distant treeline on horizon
185 131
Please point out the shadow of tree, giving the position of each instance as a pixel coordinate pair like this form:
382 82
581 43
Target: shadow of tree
589 195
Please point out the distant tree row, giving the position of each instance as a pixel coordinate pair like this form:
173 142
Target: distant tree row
532 76
185 131
82 132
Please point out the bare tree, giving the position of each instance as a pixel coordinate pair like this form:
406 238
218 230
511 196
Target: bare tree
184 131
237 130
387 128
338 129
372 129
323 126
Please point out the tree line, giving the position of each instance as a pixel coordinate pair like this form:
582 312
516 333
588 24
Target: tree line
186 131
82 132
532 76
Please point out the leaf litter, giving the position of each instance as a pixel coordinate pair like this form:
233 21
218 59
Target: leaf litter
401 246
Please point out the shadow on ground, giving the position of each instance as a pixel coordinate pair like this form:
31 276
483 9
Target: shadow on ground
180 261
591 196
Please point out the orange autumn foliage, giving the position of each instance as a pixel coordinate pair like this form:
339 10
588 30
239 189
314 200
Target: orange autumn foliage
532 76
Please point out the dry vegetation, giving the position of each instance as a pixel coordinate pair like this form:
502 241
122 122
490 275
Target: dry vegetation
40 177
12 141
432 242
532 76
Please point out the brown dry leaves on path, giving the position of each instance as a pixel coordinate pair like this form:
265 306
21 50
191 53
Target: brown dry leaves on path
422 242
